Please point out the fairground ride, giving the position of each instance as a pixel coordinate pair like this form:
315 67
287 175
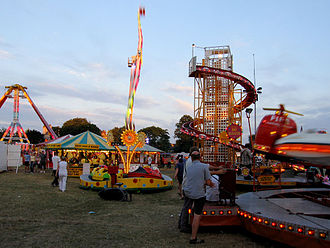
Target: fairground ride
220 95
16 92
129 137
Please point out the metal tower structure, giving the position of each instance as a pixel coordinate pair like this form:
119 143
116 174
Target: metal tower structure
217 102
9 135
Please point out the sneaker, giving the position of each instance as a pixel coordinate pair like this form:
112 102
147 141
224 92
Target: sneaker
196 241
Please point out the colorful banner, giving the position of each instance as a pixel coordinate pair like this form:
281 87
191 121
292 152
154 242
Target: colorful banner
53 146
87 146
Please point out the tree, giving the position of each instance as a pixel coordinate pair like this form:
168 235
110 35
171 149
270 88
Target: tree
78 125
34 136
184 141
117 131
158 137
57 130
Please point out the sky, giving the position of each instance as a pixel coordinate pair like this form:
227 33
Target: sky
72 57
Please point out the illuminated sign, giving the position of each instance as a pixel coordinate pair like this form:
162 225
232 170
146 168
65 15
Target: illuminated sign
266 179
86 146
245 171
54 146
234 131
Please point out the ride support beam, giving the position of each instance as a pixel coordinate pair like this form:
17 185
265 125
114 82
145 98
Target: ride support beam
49 129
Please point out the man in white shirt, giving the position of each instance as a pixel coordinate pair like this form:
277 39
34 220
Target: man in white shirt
55 161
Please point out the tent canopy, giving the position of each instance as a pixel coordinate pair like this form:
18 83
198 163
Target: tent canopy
55 141
86 141
91 141
147 148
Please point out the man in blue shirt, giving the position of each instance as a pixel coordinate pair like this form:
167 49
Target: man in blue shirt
197 175
27 162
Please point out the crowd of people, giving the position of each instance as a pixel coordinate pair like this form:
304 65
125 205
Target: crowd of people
34 161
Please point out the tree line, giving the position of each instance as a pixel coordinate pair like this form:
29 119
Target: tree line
157 137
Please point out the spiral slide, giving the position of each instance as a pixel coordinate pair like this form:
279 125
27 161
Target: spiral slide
249 98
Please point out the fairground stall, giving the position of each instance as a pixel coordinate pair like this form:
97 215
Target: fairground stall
84 152
89 150
142 155
49 144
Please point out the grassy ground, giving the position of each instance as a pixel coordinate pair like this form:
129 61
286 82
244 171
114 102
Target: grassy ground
34 214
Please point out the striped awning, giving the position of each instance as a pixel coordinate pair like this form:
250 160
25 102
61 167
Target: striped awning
86 141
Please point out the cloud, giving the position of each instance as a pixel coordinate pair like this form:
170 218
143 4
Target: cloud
145 102
67 92
178 89
181 105
95 71
5 54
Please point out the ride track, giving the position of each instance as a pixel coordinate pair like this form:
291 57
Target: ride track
250 98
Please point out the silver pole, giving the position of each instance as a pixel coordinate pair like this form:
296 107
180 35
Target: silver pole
255 103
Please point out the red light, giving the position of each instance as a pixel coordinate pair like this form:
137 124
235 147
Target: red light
245 215
259 220
212 212
300 230
221 212
204 213
290 228
242 213
266 222
189 211
250 216
238 211
254 218
274 224
282 226
311 232
229 212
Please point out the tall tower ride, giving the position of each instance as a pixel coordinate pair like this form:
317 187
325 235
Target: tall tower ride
218 102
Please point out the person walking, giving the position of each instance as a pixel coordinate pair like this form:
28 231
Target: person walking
179 176
32 161
55 160
62 173
27 162
197 176
246 157
42 162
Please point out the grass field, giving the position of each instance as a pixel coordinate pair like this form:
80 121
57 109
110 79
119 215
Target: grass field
35 214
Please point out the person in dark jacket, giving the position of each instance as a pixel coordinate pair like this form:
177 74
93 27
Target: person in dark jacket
179 175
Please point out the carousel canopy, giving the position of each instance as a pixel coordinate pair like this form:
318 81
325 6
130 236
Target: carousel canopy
86 141
55 141
91 141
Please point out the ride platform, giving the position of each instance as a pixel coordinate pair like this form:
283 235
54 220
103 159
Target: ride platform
132 184
285 182
217 215
297 217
